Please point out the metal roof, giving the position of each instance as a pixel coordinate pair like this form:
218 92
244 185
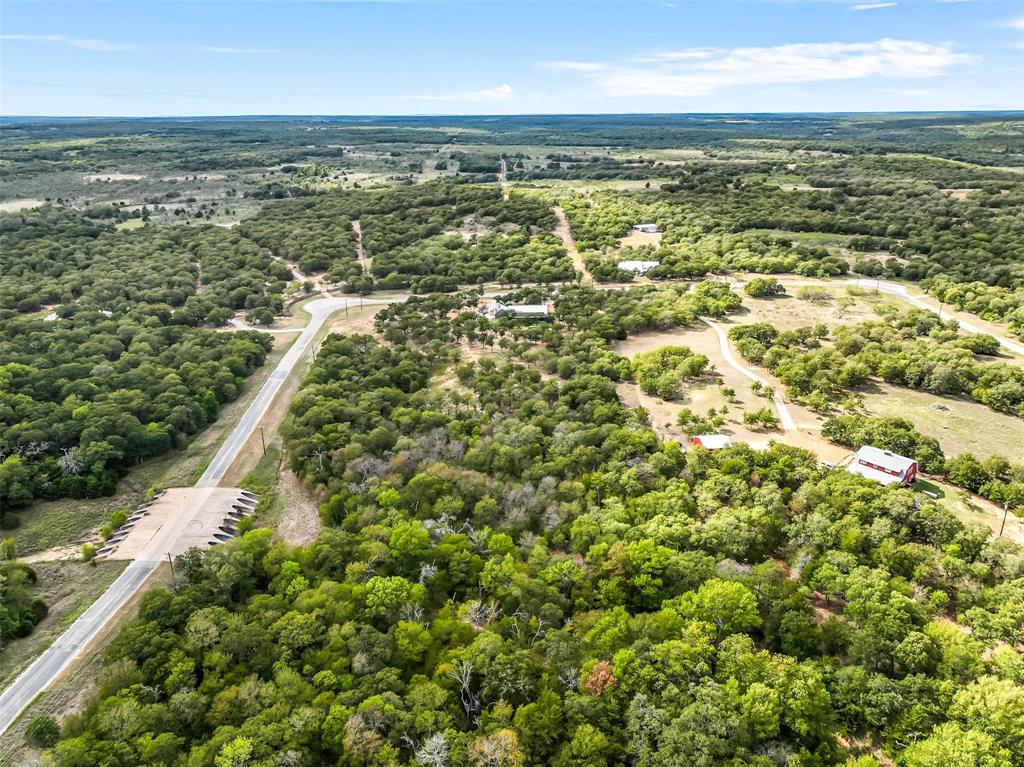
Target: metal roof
880 465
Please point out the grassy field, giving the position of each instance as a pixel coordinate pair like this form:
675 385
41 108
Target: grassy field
960 426
68 588
973 509
130 224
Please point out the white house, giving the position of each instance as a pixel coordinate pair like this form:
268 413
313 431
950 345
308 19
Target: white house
882 466
519 311
712 441
638 267
646 228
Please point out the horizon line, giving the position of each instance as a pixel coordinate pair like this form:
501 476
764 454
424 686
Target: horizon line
493 115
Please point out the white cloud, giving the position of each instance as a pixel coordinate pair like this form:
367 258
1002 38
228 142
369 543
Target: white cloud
872 6
85 43
230 50
499 93
699 72
1017 23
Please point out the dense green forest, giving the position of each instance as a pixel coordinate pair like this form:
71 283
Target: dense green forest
120 370
435 236
516 571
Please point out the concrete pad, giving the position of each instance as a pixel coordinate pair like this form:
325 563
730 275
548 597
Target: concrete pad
179 519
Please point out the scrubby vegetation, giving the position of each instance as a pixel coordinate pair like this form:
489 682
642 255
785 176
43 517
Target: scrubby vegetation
517 571
912 348
20 611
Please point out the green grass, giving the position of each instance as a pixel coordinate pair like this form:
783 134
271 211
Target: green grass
262 480
130 224
68 588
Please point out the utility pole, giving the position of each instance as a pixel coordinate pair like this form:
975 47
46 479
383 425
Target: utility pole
174 581
1006 510
263 440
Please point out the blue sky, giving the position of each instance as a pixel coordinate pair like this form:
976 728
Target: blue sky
222 57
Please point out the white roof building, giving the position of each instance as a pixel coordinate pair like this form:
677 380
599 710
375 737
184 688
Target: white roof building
646 228
882 466
712 441
519 311
638 267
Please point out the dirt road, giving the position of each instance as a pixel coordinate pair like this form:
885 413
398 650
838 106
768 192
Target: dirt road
564 233
785 417
364 262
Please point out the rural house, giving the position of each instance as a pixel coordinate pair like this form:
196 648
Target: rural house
882 466
497 309
646 228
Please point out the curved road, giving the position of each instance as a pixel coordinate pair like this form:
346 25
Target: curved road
59 655
785 417
900 291
48 666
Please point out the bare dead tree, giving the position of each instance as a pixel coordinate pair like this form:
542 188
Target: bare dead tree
462 674
70 463
434 751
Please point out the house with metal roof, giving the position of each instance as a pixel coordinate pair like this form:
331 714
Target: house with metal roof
882 466
497 309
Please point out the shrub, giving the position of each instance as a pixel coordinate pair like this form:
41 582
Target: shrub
43 731
764 287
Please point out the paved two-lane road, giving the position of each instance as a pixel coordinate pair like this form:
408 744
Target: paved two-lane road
69 645
48 666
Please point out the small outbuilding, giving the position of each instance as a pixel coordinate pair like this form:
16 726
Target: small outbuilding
497 309
712 441
637 267
646 228
882 466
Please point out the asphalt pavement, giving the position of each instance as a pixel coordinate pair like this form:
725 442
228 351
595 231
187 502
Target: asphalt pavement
69 645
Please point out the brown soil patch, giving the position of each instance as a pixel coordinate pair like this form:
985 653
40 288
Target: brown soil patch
789 312
564 233
299 523
639 239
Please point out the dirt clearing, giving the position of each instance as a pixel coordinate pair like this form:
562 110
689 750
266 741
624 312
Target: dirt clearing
789 312
113 177
13 206
639 239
